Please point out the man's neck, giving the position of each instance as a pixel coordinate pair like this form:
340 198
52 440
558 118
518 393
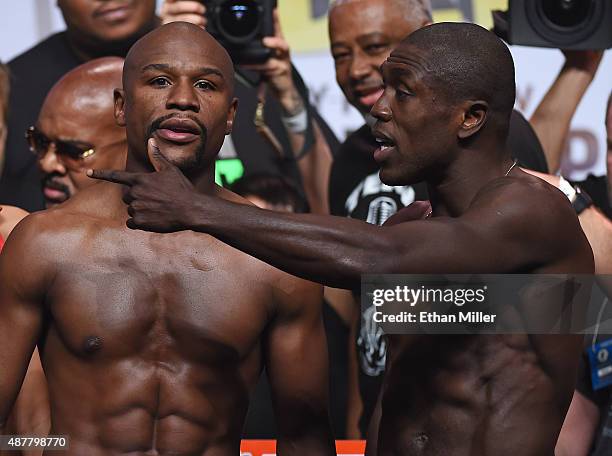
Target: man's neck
202 179
452 191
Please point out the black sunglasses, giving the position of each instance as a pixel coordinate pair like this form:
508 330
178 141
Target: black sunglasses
39 145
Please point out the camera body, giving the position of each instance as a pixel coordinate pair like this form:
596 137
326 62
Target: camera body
564 24
240 25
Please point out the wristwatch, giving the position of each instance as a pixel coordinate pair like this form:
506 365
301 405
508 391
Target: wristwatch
582 200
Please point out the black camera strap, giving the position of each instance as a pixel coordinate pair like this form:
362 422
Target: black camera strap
254 81
260 122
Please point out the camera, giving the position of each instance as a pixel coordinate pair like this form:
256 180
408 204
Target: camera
565 24
240 25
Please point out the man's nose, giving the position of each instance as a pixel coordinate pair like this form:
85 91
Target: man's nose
49 162
360 67
183 97
381 109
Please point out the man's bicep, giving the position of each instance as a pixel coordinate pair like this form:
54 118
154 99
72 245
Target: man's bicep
21 295
446 245
297 359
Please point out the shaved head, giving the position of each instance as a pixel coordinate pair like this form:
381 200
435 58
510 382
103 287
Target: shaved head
448 87
173 36
462 62
88 89
178 88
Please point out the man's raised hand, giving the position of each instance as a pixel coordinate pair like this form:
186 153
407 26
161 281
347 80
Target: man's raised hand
183 10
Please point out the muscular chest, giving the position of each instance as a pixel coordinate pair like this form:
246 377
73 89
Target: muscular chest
179 292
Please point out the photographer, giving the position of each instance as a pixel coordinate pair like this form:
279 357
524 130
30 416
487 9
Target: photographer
294 133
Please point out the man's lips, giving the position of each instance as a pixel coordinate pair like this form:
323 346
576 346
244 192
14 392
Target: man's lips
369 96
113 13
178 130
386 145
55 192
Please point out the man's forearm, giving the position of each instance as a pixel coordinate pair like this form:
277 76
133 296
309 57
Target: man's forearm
552 118
334 251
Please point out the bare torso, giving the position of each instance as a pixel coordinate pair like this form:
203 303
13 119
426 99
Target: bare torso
474 395
151 342
481 395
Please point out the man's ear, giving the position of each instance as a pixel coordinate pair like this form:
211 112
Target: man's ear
231 114
119 107
474 117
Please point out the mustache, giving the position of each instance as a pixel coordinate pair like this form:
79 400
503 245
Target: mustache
51 182
157 123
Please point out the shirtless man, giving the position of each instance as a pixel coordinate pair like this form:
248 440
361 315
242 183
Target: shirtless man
151 343
443 118
76 129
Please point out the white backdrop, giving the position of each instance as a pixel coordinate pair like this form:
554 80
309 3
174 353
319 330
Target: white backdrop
25 22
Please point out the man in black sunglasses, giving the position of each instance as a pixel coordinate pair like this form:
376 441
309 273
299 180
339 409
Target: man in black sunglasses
76 129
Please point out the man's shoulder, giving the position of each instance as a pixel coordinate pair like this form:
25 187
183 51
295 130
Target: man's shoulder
530 211
44 227
73 219
32 237
527 196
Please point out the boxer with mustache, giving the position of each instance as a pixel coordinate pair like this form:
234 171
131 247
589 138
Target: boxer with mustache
152 343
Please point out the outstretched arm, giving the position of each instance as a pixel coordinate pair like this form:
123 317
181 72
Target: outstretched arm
297 365
490 236
22 279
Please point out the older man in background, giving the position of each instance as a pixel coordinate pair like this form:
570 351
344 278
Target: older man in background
76 129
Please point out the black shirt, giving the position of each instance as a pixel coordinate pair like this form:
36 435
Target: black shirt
355 190
33 73
38 69
598 190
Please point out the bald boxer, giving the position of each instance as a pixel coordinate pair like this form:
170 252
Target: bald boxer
443 118
152 343
76 129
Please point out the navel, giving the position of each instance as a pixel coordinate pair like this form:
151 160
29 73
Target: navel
421 440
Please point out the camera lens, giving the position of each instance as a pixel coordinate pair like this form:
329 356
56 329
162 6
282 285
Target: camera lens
566 13
239 18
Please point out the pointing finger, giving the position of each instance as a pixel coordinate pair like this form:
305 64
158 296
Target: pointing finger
117 177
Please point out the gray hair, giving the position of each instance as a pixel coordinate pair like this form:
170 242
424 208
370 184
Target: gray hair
413 10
